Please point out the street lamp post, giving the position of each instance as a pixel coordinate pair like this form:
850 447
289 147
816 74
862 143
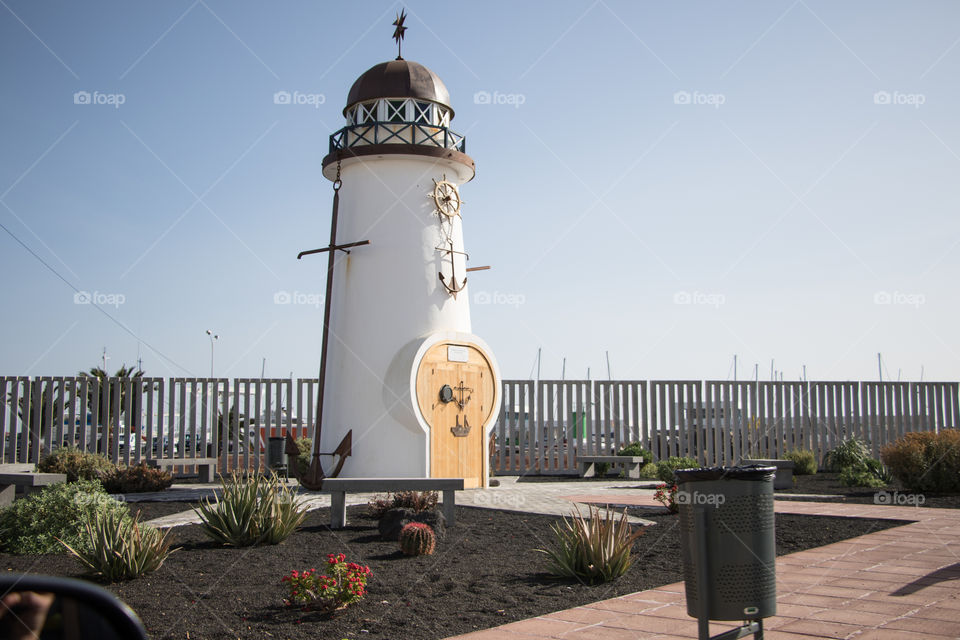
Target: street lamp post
213 337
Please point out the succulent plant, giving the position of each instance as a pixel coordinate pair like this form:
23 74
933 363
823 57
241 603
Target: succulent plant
417 539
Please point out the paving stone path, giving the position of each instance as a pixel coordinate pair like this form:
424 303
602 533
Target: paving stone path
530 497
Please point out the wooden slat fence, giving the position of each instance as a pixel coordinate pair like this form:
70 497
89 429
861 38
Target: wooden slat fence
134 419
543 426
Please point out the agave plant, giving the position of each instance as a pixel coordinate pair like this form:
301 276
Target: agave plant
852 452
594 550
256 509
120 548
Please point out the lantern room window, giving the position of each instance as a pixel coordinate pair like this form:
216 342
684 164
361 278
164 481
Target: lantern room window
395 111
365 113
422 112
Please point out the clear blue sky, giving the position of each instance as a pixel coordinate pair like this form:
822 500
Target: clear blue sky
672 182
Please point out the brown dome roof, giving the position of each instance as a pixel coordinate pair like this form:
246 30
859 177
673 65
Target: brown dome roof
398 79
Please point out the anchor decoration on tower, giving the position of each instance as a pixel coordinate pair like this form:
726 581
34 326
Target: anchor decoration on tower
452 287
447 202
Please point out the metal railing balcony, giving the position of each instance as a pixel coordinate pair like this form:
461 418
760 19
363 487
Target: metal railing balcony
419 133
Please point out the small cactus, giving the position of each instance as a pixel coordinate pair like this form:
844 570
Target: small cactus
417 539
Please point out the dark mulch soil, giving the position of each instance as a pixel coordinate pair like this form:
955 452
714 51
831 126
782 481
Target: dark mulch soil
829 483
484 573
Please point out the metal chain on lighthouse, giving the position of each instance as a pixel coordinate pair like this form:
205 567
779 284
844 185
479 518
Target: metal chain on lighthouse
312 479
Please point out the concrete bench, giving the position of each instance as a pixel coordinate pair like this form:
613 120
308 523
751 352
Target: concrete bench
784 477
629 464
338 488
13 476
206 467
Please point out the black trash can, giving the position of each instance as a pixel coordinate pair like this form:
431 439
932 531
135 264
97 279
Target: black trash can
277 454
726 522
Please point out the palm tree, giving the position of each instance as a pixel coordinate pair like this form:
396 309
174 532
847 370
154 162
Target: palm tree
100 395
231 431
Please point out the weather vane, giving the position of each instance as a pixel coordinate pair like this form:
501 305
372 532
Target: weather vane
398 32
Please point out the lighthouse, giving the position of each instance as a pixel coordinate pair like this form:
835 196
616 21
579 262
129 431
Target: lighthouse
406 380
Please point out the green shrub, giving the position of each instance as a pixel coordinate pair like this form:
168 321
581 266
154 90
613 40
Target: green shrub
598 550
649 471
850 453
636 449
857 468
76 463
926 461
252 510
305 457
136 479
118 547
417 539
601 469
853 477
804 462
665 468
33 524
414 500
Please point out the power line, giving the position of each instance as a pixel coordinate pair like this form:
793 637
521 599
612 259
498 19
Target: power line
92 302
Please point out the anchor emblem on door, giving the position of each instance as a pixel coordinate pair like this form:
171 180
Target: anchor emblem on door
463 395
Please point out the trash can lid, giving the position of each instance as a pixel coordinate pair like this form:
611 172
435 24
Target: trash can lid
755 472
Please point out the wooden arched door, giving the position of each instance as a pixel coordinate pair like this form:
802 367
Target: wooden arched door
456 393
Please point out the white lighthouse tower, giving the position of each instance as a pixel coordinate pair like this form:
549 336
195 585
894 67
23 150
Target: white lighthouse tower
404 373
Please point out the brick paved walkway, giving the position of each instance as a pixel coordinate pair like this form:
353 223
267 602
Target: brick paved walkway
901 583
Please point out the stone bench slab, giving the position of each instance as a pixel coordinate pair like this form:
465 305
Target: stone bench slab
28 480
630 464
32 479
206 467
16 467
784 476
338 488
